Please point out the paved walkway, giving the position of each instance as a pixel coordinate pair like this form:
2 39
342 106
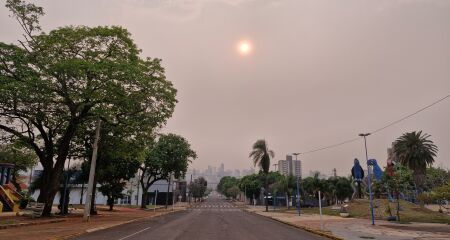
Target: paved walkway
357 229
74 224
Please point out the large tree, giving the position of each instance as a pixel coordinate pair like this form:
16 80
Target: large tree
53 83
261 155
286 185
118 160
198 188
226 183
170 156
251 186
415 151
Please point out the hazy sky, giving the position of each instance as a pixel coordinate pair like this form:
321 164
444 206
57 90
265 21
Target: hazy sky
319 71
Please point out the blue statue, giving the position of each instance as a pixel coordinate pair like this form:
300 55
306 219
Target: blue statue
377 172
358 175
357 171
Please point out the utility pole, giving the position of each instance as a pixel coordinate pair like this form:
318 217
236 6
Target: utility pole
87 204
364 135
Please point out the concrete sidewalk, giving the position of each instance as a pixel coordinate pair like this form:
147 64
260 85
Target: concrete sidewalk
73 224
356 229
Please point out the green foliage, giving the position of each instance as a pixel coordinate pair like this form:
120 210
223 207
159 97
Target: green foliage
343 188
438 194
312 185
198 188
113 174
288 185
54 84
226 183
233 192
22 158
415 151
261 155
435 177
170 155
251 185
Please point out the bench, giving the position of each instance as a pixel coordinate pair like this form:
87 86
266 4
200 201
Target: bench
34 209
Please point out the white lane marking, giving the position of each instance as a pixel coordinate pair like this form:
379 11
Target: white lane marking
134 234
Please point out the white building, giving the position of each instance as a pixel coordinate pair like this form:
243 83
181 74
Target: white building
290 167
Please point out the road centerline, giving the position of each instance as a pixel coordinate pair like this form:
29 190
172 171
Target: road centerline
143 230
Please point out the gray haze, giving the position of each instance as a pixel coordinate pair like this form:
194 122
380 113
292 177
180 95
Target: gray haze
320 71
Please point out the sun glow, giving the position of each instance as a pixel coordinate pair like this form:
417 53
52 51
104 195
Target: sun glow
244 47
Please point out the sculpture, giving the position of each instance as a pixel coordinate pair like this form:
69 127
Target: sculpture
377 172
358 175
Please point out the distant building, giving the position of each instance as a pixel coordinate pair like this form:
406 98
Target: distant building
290 167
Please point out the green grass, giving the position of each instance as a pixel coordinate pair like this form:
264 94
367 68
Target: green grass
360 209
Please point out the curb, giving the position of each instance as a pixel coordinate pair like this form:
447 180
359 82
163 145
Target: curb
313 231
91 230
17 225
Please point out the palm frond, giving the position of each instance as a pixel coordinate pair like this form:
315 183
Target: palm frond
261 155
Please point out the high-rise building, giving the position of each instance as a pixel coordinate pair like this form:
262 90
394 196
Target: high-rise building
221 170
290 167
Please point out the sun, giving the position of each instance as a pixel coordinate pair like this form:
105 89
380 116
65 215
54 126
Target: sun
244 47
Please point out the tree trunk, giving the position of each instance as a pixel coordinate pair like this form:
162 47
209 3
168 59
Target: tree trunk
266 193
110 202
144 200
49 187
52 170
287 201
167 195
419 177
82 191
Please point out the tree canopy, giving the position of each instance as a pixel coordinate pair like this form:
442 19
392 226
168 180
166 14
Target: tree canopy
22 158
53 83
170 155
415 151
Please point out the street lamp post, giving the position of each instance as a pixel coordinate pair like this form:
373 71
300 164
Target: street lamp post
364 135
298 189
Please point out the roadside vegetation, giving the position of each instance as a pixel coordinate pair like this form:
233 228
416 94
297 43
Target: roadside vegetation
57 84
400 192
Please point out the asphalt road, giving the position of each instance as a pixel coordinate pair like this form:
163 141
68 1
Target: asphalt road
214 219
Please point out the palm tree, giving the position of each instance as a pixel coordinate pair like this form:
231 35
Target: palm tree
415 151
261 156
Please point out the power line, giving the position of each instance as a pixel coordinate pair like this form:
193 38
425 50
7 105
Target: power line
331 146
410 115
377 130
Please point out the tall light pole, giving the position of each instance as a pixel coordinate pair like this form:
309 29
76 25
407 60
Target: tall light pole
87 203
298 189
364 135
